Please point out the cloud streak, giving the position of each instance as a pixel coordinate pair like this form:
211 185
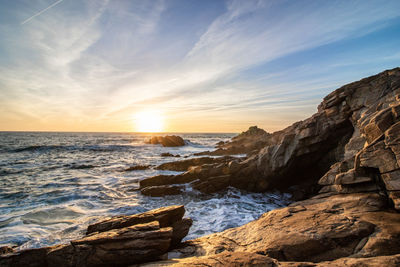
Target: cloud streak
41 12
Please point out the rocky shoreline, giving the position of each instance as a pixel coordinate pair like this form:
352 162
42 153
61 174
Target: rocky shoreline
342 166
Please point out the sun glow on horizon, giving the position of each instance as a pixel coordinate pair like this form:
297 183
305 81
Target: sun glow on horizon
149 122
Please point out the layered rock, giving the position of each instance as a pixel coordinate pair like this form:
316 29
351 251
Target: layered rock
167 141
118 241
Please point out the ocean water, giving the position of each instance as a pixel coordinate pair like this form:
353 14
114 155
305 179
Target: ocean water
52 185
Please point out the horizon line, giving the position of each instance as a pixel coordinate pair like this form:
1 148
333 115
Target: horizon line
36 131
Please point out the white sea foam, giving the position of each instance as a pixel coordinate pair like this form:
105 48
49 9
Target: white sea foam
54 184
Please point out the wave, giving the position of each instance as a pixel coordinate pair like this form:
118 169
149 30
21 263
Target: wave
38 147
193 144
80 166
96 148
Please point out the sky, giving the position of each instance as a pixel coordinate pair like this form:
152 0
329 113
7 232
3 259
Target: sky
203 66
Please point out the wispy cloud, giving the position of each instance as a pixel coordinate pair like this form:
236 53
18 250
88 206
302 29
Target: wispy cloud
104 60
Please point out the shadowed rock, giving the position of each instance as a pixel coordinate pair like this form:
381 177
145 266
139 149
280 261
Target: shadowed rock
138 168
167 154
183 165
162 190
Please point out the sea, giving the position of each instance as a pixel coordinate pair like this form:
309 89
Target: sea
54 184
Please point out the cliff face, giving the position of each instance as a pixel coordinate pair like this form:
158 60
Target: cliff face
354 135
347 156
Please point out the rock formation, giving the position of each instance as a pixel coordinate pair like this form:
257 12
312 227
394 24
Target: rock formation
350 145
167 141
119 241
345 159
184 165
248 142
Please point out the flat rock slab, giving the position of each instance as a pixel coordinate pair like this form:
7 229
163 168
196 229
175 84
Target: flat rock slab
166 216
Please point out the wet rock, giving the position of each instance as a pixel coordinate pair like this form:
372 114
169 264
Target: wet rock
138 168
167 141
167 154
159 180
211 184
183 165
162 190
26 258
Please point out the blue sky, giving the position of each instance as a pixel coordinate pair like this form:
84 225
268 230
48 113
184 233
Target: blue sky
207 66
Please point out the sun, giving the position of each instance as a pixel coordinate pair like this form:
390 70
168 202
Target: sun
149 122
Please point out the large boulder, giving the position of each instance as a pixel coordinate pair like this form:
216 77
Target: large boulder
167 141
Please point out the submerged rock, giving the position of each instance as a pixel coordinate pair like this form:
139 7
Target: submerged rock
167 154
119 241
167 141
138 168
